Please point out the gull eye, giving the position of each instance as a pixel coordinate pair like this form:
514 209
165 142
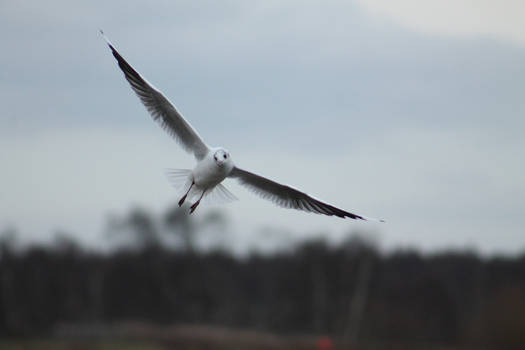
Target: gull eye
225 156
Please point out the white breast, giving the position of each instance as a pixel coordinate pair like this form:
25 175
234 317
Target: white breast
207 173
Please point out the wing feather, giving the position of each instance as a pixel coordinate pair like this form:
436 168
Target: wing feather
161 109
288 197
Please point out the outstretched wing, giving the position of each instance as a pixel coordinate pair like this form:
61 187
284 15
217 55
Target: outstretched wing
288 197
161 109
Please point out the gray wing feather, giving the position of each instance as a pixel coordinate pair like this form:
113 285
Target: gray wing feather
286 196
161 109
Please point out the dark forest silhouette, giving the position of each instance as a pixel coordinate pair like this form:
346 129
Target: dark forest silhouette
350 291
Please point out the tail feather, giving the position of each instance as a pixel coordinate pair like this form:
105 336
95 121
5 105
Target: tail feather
219 195
180 179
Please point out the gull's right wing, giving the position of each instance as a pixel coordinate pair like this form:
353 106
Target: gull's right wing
161 109
288 197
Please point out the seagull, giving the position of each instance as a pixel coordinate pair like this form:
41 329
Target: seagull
214 164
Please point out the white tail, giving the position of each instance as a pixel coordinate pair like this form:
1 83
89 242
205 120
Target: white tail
180 179
219 195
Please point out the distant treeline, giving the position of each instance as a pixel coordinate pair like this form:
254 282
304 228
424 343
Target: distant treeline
351 291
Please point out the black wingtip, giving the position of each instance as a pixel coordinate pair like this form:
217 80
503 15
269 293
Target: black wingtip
356 217
106 39
364 218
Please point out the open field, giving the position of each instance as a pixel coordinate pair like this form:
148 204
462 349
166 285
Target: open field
54 344
142 336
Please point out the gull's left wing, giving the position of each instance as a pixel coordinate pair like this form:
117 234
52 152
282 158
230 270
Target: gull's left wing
288 197
161 109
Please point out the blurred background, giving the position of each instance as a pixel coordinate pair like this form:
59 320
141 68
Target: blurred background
409 111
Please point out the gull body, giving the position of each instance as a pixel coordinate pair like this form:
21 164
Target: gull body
208 173
213 168
214 164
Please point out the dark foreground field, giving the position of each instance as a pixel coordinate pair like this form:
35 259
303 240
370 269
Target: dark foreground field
140 336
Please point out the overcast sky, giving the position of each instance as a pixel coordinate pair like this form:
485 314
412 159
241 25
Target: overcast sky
410 111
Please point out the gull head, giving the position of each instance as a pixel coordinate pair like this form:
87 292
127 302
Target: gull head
222 158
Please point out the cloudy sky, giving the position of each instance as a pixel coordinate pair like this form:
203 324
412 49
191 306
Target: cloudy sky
411 111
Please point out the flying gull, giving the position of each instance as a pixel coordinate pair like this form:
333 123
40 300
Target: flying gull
214 164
